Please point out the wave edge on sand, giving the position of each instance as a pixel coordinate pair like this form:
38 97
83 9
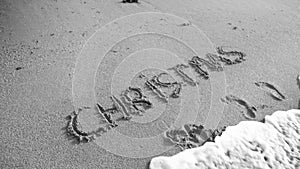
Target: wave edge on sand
274 143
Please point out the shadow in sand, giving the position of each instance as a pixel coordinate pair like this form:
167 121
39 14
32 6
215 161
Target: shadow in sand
148 165
298 81
73 140
129 1
67 135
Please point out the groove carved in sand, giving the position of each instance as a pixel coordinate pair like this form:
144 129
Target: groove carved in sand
197 64
271 90
179 70
130 1
298 81
240 56
191 135
134 98
176 85
213 62
73 129
106 114
162 95
129 104
250 111
121 107
83 83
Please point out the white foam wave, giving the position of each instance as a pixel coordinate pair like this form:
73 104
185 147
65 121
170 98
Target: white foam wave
249 144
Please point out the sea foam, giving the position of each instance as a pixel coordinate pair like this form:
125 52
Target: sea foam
274 143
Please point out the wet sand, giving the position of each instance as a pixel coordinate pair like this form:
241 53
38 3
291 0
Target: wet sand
51 66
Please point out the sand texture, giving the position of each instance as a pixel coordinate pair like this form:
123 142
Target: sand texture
97 84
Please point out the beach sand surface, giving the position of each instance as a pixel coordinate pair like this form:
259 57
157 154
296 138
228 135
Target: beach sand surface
41 43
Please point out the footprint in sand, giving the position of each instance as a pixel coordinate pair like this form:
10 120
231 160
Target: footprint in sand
191 135
249 113
271 90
